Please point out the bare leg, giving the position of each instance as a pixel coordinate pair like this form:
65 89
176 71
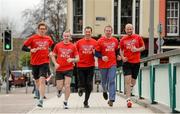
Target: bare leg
37 83
133 82
128 85
42 87
59 84
67 87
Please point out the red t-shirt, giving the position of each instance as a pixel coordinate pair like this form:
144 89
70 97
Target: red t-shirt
85 48
63 52
107 47
43 42
127 42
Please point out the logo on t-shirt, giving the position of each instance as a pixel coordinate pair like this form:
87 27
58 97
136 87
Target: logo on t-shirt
87 49
109 46
65 53
130 44
42 44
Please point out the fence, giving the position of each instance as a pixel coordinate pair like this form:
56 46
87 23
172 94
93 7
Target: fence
157 82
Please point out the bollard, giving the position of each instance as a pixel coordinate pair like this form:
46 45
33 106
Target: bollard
26 87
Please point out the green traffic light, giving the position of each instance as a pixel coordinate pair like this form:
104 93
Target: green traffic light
7 46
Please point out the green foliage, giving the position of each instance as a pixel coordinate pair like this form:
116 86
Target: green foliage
25 59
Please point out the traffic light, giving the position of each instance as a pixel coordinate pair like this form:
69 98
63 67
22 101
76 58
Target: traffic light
7 41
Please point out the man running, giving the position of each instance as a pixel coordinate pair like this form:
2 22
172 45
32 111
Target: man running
39 44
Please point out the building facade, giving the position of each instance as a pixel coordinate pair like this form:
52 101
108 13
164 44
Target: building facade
99 13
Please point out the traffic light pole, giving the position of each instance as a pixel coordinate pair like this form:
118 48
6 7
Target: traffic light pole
7 72
7 40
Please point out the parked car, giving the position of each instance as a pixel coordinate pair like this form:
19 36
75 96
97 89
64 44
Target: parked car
29 76
19 79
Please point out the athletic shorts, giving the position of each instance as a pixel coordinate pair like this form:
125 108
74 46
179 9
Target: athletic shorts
60 75
40 70
131 69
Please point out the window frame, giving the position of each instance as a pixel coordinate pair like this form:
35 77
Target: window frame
168 17
77 17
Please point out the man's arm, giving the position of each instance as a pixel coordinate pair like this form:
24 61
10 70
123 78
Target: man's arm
52 55
25 48
124 59
142 48
98 54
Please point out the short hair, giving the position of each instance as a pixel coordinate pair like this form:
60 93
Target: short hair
67 31
108 26
88 27
42 24
128 25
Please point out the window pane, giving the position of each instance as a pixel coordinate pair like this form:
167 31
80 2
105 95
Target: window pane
172 22
115 16
126 13
77 16
137 16
168 14
168 29
168 6
174 29
172 13
176 13
175 22
172 5
176 5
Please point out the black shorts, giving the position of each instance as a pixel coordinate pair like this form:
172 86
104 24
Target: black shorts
85 76
131 69
40 70
60 75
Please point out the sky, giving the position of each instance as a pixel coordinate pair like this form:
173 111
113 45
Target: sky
12 9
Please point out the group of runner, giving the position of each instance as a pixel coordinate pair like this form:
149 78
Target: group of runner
66 54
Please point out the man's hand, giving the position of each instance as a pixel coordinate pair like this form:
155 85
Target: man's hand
34 50
105 58
69 60
134 49
124 59
56 66
119 57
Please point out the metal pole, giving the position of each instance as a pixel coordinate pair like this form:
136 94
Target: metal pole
26 87
7 72
44 9
151 29
159 38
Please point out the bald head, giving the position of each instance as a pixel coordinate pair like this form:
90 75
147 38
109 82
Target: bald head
129 29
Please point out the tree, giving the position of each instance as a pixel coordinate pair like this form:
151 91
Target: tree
53 12
13 56
25 59
7 23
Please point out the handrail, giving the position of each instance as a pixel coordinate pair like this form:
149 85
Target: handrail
162 55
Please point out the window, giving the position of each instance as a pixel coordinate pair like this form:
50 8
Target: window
127 8
137 17
77 16
126 13
172 18
115 16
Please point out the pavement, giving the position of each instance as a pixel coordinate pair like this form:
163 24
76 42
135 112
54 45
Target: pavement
97 106
20 101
